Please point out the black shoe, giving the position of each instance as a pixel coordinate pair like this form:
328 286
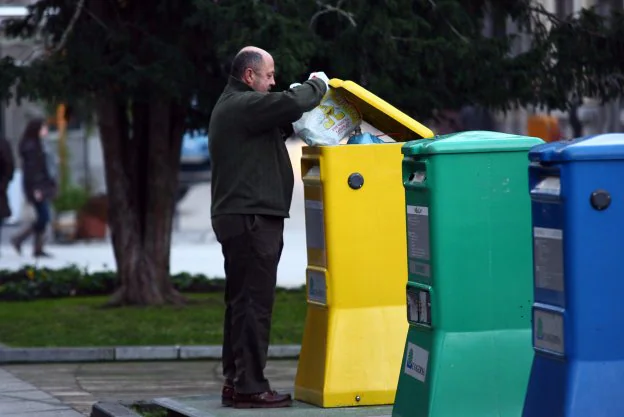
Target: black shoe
269 399
227 395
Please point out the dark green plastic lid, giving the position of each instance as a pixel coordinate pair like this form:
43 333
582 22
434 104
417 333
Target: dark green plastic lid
470 142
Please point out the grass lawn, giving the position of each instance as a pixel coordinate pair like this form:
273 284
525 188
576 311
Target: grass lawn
80 321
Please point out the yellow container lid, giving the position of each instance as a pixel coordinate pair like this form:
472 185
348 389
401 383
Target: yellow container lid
382 115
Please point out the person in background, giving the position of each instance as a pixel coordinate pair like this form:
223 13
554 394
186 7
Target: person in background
39 186
7 166
252 186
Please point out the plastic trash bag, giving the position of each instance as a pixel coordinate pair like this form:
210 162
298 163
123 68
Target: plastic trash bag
328 123
363 139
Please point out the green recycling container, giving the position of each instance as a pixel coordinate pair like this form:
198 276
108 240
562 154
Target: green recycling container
468 350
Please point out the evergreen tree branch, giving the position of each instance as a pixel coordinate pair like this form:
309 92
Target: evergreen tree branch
328 8
37 51
455 31
70 27
540 10
405 39
97 19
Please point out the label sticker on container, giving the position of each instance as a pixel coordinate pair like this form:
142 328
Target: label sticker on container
418 232
419 268
416 362
548 331
315 224
317 287
548 258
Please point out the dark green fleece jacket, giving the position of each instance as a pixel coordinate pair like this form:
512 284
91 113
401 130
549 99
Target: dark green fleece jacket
251 169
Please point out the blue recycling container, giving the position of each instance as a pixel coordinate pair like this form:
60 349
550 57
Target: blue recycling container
577 199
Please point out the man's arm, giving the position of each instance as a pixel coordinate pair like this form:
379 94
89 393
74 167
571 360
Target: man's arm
287 131
270 110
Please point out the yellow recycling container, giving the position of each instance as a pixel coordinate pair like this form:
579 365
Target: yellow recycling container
355 326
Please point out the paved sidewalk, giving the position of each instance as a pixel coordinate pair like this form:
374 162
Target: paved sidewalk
79 386
21 399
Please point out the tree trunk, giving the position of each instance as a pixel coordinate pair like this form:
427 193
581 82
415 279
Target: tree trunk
142 161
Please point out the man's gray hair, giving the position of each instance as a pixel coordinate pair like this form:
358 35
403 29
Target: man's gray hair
244 60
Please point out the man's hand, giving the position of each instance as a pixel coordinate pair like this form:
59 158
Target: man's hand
321 75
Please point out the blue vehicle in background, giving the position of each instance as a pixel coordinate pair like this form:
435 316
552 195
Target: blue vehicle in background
195 167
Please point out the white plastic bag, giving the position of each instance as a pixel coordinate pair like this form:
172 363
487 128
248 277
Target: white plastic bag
328 123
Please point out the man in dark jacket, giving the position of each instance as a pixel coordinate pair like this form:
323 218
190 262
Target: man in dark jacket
252 186
7 166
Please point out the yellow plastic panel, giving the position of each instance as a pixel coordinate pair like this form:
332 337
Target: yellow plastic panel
382 115
356 320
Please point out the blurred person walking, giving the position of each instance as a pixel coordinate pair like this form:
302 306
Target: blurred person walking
38 184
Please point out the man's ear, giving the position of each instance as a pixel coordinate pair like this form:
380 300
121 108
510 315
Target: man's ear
248 75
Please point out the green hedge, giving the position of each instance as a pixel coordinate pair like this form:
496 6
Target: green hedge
30 283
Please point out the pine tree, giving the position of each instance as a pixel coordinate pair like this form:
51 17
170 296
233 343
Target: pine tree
142 63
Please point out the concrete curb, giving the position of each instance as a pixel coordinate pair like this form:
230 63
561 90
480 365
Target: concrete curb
128 353
107 409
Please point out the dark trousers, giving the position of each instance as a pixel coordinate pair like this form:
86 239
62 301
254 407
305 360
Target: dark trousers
42 209
252 247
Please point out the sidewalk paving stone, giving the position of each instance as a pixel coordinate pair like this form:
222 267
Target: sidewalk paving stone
21 399
81 385
74 388
210 406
